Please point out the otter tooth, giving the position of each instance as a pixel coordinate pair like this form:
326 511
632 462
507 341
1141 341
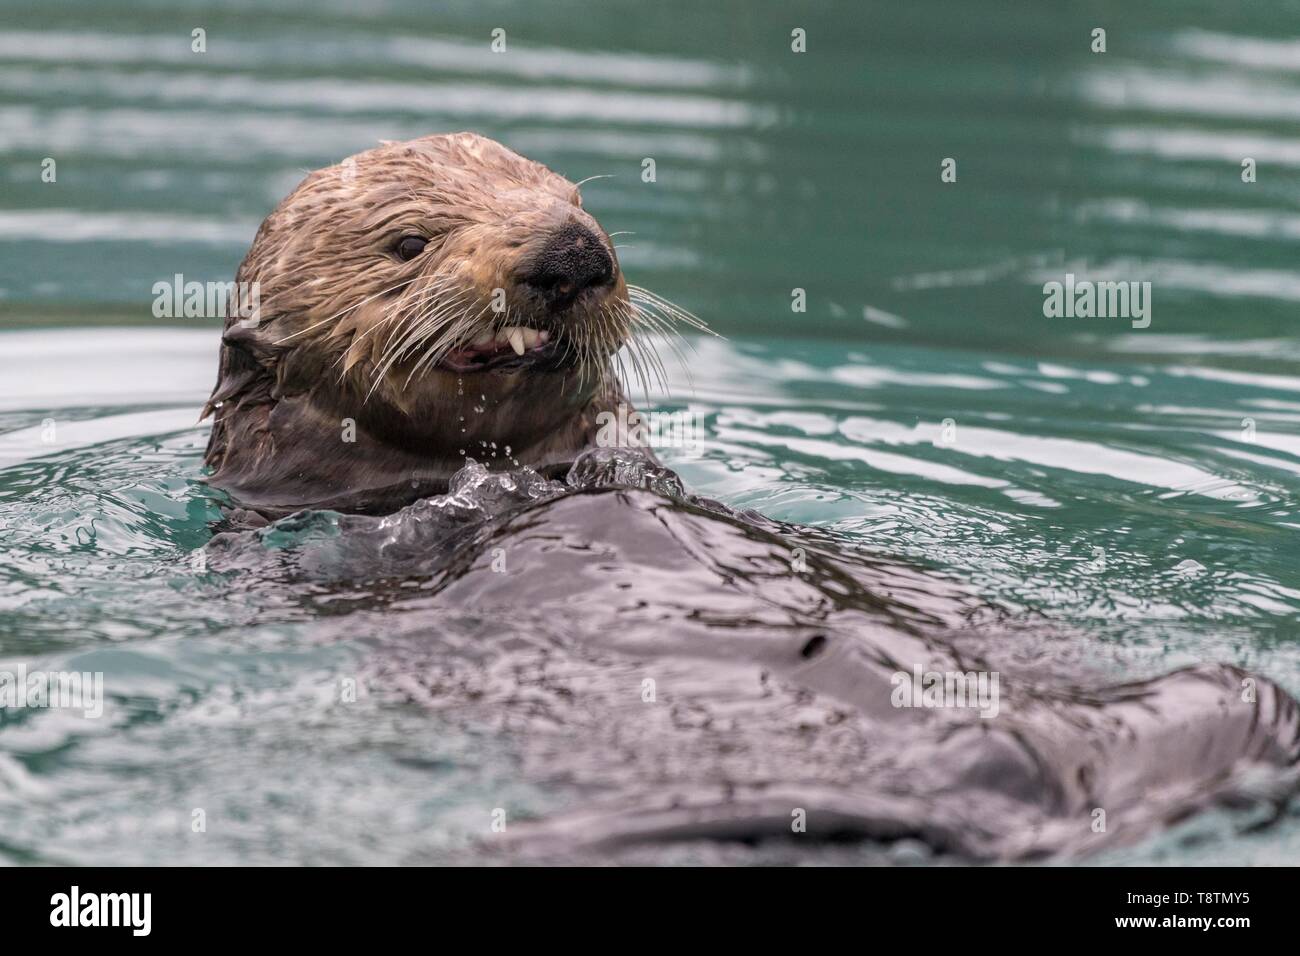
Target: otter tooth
516 338
482 341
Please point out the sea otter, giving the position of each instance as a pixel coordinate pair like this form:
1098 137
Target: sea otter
421 303
429 302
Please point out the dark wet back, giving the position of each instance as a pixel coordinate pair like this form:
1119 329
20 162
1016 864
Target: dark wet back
695 675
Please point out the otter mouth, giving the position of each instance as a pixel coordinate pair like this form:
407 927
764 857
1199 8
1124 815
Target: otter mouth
515 346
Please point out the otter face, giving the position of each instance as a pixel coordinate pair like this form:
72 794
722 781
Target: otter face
442 290
420 304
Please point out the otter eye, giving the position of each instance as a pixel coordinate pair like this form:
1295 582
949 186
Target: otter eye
408 247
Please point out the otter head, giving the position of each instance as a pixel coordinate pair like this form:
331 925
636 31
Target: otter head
420 304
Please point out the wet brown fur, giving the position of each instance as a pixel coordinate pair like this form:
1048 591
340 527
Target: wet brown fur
338 336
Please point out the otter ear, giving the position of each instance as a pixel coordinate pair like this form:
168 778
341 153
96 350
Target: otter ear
251 340
234 381
243 371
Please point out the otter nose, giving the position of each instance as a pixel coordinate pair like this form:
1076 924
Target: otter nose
574 258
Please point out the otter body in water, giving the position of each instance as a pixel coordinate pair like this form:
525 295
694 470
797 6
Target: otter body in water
430 302
653 664
420 303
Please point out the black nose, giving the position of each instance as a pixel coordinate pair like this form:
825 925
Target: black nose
573 259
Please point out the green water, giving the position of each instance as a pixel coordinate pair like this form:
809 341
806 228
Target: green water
1139 485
